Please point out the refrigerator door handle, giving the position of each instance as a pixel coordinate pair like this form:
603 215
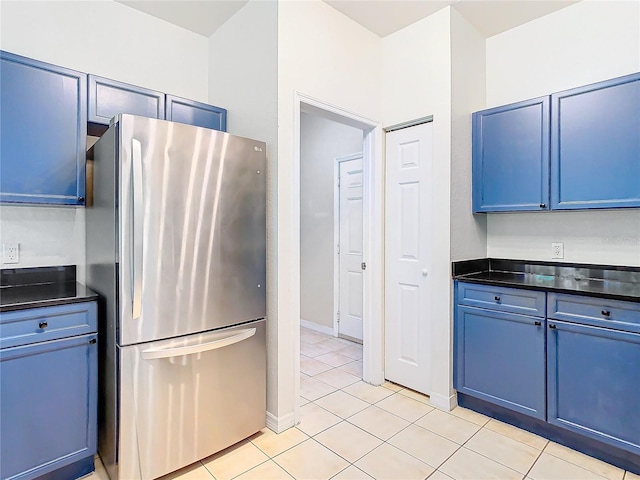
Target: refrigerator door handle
138 225
154 353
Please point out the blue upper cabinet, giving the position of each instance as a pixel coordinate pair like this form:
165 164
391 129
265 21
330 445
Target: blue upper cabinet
595 145
511 157
196 113
108 98
42 133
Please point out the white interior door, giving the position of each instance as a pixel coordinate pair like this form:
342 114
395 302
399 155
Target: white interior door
350 305
407 257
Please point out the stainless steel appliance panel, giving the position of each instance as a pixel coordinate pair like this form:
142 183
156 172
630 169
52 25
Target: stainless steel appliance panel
184 399
192 241
102 276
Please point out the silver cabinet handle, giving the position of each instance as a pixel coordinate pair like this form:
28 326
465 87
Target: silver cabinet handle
424 272
154 353
138 226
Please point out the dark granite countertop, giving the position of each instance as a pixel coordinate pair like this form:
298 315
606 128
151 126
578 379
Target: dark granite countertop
605 281
22 288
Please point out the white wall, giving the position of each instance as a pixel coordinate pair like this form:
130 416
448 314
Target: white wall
324 54
108 39
610 237
321 142
468 59
243 77
417 82
243 71
47 236
580 44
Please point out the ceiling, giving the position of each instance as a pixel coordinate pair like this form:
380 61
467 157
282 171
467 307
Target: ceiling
199 16
381 17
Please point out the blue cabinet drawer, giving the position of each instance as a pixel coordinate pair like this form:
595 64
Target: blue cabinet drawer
595 311
108 98
48 397
23 327
196 113
514 300
500 358
594 382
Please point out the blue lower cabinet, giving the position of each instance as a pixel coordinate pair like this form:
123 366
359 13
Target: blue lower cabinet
594 382
47 406
500 358
42 133
195 113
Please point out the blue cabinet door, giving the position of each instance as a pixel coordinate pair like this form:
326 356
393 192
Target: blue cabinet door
500 357
594 382
595 145
108 98
196 113
43 132
47 406
511 157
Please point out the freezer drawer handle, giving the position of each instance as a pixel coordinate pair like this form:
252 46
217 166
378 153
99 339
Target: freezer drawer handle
138 223
154 353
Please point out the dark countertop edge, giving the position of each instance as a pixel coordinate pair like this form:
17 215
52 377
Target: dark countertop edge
591 266
14 277
471 271
89 297
522 286
465 267
44 295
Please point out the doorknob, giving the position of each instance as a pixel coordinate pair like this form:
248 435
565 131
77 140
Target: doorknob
424 272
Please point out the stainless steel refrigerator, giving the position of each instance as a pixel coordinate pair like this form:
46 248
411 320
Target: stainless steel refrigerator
176 250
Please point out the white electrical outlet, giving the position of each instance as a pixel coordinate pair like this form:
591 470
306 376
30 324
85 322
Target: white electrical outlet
557 250
10 253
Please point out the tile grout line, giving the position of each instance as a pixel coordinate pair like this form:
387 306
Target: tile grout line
394 392
509 438
459 446
534 463
255 466
380 439
583 466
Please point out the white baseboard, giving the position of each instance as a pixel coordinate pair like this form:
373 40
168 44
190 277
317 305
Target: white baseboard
318 328
443 402
281 424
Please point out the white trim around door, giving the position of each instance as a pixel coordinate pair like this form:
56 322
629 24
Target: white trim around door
373 228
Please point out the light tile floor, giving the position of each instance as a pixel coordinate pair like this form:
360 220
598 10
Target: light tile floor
352 430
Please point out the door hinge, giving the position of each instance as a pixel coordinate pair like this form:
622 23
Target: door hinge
338 316
363 265
338 249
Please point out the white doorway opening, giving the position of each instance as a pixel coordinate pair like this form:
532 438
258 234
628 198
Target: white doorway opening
372 245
